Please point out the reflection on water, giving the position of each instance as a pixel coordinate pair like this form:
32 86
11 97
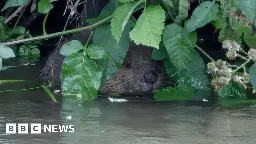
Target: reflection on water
101 122
115 123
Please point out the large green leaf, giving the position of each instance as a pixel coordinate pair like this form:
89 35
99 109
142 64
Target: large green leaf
44 6
252 72
168 3
107 11
159 54
14 3
202 15
6 52
250 40
81 77
178 46
184 6
149 27
121 18
248 8
232 90
115 50
229 34
175 93
95 52
71 47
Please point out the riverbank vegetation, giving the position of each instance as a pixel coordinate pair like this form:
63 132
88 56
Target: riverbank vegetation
167 26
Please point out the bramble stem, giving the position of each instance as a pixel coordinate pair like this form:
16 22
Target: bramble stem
59 33
241 66
203 52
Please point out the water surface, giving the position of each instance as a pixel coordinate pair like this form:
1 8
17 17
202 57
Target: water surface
102 122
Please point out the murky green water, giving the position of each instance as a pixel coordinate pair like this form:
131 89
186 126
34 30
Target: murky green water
102 122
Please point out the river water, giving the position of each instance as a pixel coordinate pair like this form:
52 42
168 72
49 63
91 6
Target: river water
103 122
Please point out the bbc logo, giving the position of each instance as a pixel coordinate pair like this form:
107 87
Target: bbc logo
11 128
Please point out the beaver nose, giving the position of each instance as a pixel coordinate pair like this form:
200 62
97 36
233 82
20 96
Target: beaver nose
150 76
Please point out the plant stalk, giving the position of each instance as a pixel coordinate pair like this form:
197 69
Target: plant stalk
243 65
44 23
203 52
14 14
59 33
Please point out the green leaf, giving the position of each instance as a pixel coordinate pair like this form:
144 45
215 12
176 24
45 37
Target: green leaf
250 40
232 90
107 11
168 3
121 18
6 52
29 51
202 15
50 94
109 70
115 50
125 1
14 3
149 27
159 54
248 8
95 52
179 93
184 6
44 6
229 34
194 75
219 22
178 46
252 72
71 47
81 77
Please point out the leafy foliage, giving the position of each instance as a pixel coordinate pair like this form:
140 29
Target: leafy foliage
121 18
179 93
115 50
71 47
107 11
14 3
29 51
81 77
6 52
178 46
184 6
149 27
202 15
87 68
232 90
248 8
44 6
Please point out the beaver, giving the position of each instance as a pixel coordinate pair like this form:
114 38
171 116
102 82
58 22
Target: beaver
138 73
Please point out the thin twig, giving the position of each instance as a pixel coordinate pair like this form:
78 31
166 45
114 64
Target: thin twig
20 15
203 52
14 14
69 16
242 57
48 36
241 66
